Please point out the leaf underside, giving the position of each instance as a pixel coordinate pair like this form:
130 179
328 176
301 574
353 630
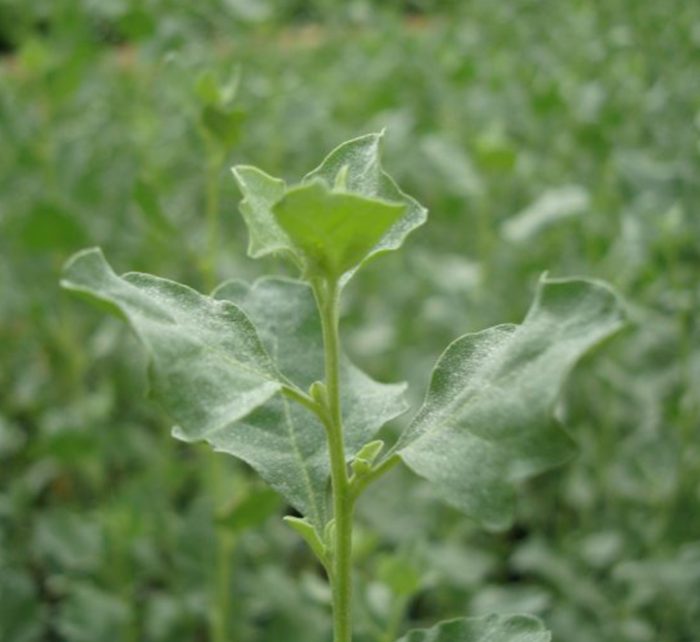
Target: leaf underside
487 418
489 628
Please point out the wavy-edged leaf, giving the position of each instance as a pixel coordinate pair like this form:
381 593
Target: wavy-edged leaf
489 628
291 438
260 192
208 366
364 196
358 163
333 230
487 418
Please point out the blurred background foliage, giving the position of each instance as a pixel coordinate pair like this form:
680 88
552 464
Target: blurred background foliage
560 136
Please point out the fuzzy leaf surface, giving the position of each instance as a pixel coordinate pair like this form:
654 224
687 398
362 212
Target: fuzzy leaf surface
208 367
487 418
260 192
359 162
334 231
489 628
288 436
364 215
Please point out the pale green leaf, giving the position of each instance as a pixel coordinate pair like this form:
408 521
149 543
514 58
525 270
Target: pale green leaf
309 534
285 315
358 162
286 445
489 628
334 231
283 441
363 216
487 418
260 193
208 367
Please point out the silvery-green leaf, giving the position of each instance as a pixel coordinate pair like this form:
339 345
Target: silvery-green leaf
356 165
333 231
489 628
286 445
363 196
487 418
284 312
208 366
260 193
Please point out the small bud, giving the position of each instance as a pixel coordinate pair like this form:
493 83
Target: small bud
369 451
361 467
317 390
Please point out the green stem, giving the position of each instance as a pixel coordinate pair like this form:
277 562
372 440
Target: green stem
359 485
327 295
212 218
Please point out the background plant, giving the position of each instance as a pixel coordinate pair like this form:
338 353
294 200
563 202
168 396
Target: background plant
492 112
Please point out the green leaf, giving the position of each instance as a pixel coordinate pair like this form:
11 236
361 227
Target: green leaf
333 231
286 445
284 312
260 193
487 418
310 535
358 162
489 628
208 367
290 439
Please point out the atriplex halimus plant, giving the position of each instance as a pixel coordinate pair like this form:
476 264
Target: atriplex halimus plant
258 371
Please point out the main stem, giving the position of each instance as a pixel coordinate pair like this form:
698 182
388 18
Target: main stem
343 501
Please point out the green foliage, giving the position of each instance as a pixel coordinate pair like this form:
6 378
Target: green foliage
344 212
487 418
209 368
333 231
582 167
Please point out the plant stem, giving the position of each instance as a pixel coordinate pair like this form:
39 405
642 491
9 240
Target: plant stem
343 500
384 467
212 218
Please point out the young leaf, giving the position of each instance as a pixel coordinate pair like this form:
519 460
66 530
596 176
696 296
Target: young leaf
487 418
310 536
358 162
208 367
333 230
489 628
260 193
360 188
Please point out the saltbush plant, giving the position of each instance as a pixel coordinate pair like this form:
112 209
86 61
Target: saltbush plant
258 371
